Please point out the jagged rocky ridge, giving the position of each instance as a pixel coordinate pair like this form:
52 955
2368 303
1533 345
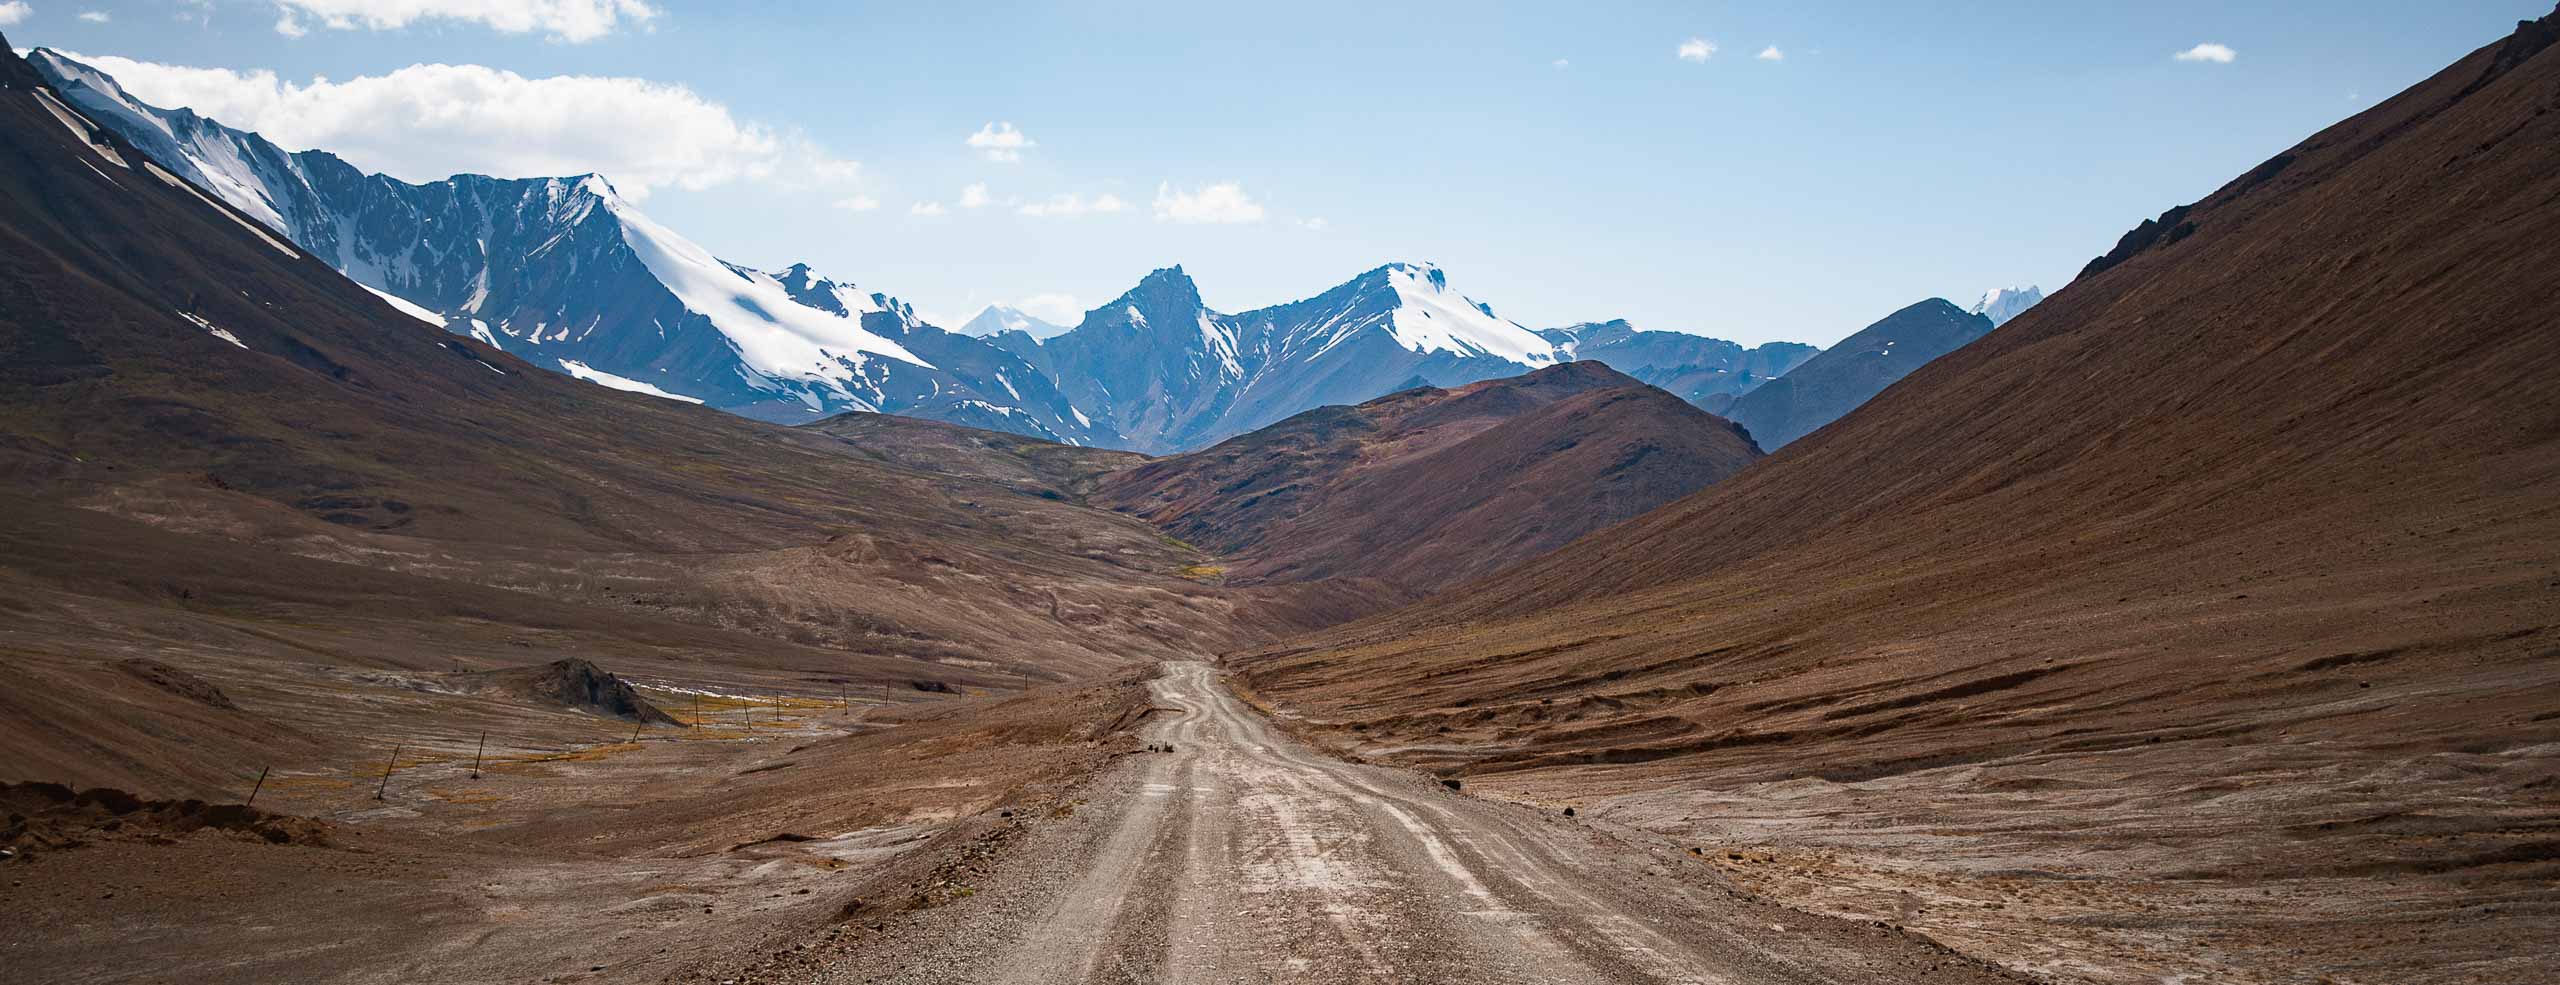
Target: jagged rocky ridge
567 274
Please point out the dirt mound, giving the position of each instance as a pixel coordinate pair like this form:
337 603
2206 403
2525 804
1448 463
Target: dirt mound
579 684
46 817
177 682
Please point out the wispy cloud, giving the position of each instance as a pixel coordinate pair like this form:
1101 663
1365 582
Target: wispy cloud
1001 142
2220 54
926 208
1771 54
95 16
1225 202
1561 63
1697 50
427 122
1071 205
857 203
975 196
573 21
14 11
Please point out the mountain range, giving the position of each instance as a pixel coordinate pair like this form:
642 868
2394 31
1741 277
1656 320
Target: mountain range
571 276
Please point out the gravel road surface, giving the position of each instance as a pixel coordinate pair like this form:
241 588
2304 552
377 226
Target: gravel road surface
1243 856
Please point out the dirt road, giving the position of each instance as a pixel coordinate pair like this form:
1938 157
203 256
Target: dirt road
1243 856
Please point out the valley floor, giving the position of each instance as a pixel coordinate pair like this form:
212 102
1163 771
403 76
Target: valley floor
1231 853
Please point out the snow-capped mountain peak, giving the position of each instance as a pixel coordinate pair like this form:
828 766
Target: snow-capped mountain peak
1006 318
1431 317
2003 303
774 333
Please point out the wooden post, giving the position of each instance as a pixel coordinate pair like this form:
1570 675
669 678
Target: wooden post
262 784
387 767
635 732
477 753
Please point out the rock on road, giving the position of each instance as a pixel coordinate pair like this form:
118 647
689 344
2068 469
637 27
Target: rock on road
1243 856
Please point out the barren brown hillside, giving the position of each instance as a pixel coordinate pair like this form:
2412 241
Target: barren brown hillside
2203 620
218 453
1428 487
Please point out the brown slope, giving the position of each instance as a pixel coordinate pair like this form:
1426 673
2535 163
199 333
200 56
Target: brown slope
1028 465
2266 494
346 488
1428 487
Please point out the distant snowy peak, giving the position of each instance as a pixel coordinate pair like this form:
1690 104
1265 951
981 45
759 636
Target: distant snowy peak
1430 317
774 333
1002 318
2003 303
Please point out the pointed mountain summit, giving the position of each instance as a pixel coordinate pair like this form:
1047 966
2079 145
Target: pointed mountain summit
997 319
1845 376
1168 372
2003 303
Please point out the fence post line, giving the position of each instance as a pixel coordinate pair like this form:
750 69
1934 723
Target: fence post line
262 784
477 753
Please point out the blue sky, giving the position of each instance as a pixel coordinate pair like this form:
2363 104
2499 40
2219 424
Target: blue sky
1563 162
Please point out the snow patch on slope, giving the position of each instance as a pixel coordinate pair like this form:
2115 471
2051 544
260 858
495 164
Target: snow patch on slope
1430 317
775 336
406 306
219 333
605 379
254 229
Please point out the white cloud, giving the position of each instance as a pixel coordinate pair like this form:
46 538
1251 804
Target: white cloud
1697 50
1316 223
566 20
1223 202
1001 142
427 122
95 16
975 196
14 11
857 203
1071 205
926 208
1062 309
1771 54
1562 63
2220 54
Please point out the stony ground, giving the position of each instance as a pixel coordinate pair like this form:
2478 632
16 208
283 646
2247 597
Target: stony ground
1227 852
